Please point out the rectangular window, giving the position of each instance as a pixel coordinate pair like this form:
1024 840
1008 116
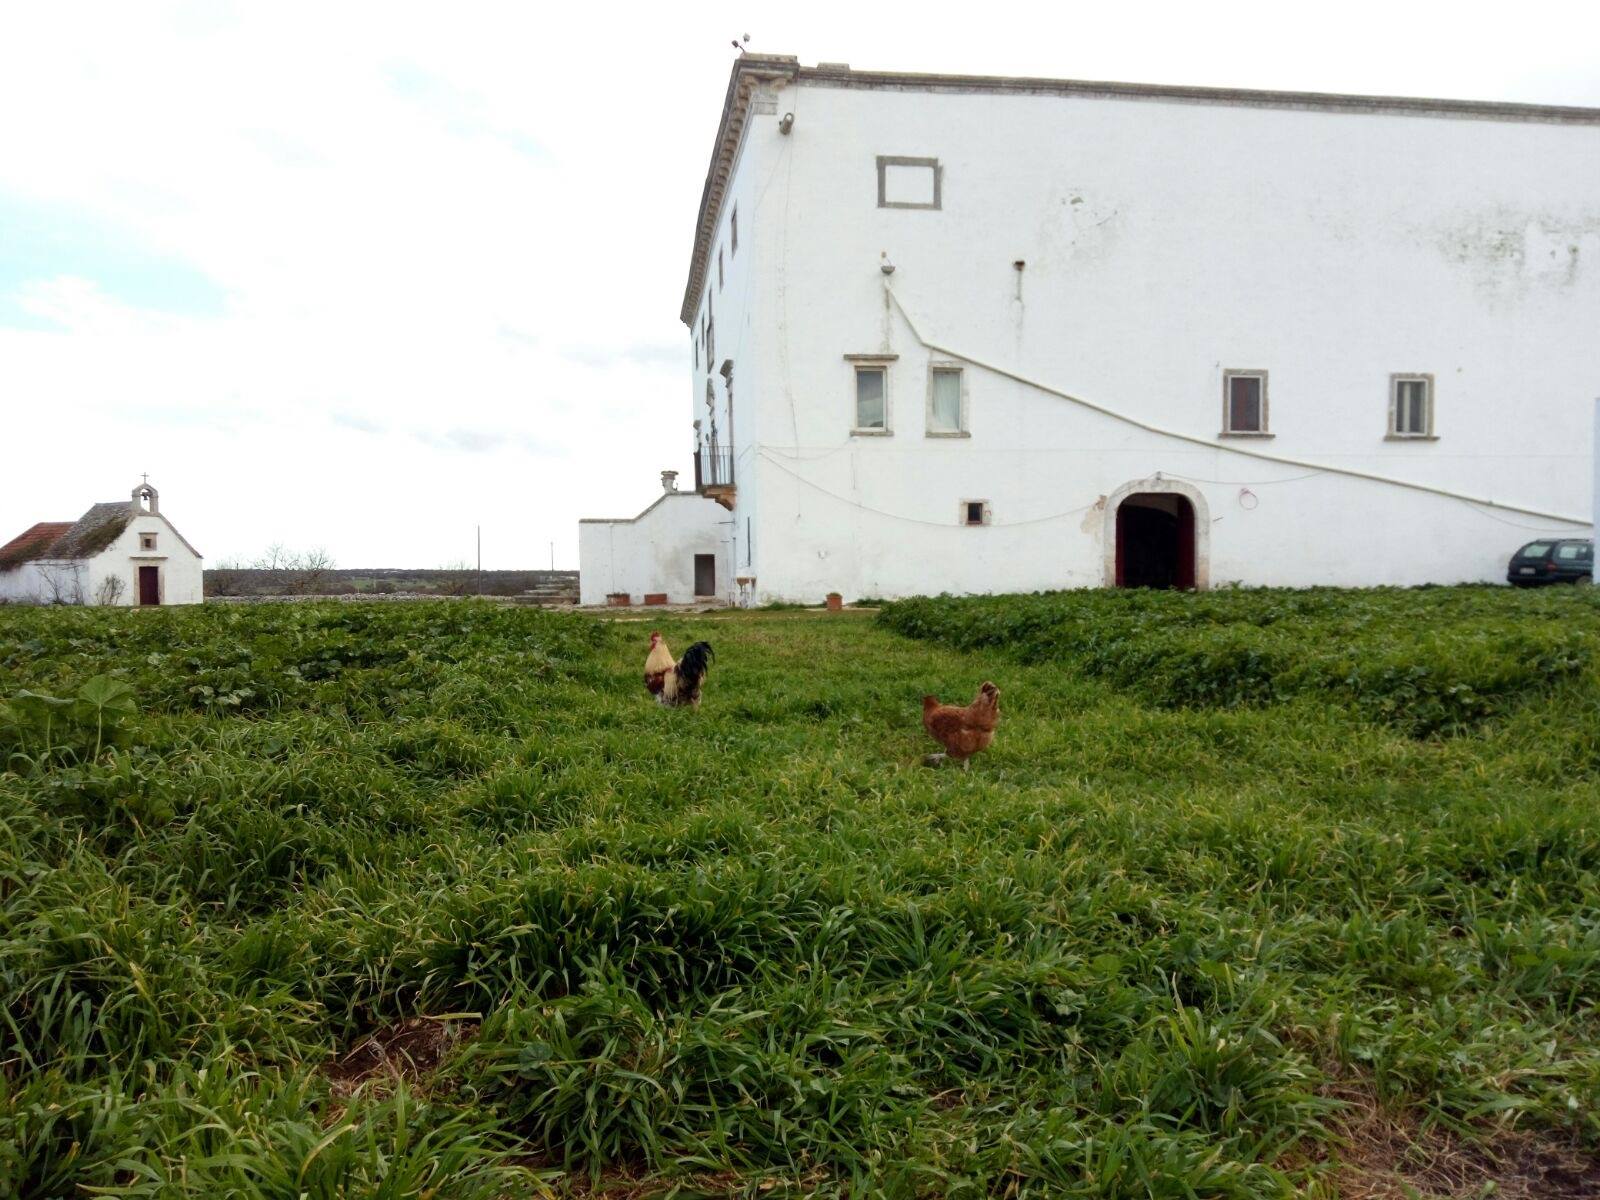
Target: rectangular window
1411 406
719 268
711 342
147 541
1244 403
946 411
872 413
909 182
974 512
733 228
696 354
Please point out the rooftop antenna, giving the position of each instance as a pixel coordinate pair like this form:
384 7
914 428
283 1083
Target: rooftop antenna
739 44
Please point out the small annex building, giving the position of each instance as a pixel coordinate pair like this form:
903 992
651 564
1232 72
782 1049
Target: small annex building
674 552
120 552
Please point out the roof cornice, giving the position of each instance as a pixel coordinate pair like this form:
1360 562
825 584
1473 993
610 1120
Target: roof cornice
748 71
1416 106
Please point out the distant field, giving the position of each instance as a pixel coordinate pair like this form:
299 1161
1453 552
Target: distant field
557 586
1257 894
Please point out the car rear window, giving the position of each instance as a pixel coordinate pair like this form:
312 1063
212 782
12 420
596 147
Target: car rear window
1535 550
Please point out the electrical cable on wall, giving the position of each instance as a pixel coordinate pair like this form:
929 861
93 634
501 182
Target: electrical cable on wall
846 500
1263 456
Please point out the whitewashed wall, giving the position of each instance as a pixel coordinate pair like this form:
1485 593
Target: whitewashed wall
654 552
182 572
49 582
740 333
84 581
1163 242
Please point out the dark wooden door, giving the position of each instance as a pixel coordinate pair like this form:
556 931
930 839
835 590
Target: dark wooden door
705 574
149 586
1155 547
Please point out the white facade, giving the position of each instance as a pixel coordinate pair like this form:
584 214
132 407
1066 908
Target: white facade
136 558
1099 258
662 551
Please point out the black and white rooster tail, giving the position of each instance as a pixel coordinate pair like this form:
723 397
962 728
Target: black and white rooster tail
692 668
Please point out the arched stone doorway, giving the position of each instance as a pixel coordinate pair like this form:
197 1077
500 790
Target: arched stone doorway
1157 536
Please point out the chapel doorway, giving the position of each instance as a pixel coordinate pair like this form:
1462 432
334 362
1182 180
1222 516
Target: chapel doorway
1155 541
149 585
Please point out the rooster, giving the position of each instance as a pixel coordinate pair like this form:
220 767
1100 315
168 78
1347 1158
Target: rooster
962 731
676 683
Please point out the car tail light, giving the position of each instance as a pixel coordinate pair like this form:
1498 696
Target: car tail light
1551 565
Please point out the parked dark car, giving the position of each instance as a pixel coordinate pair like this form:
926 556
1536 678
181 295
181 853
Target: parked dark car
1552 560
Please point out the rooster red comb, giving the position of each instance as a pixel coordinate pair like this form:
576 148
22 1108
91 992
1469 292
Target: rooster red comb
655 636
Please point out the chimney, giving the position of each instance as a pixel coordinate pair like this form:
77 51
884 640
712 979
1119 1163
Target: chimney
669 482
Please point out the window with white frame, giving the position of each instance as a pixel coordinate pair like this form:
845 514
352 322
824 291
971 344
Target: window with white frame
947 401
1244 403
872 395
870 378
1411 406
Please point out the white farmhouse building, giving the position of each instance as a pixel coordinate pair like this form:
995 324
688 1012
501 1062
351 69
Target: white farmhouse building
121 552
972 334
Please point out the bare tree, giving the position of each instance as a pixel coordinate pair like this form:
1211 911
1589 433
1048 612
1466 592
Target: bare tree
60 583
226 578
110 590
458 578
307 570
299 572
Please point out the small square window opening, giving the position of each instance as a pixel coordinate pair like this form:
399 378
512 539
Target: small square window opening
1411 406
147 541
974 512
1244 403
909 182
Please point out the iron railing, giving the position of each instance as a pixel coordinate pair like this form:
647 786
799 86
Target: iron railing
713 467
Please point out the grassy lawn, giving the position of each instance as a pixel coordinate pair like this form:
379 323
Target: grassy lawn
1256 894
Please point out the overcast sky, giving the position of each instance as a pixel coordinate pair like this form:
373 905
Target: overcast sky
363 276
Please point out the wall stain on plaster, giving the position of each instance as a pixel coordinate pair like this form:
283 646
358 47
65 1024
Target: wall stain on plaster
1510 252
1073 226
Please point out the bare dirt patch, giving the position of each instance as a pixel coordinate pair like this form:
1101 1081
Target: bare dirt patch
1386 1156
408 1050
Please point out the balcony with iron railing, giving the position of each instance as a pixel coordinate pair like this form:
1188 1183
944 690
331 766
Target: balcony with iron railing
713 474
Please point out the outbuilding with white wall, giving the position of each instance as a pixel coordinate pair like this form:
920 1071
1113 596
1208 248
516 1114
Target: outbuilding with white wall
677 548
120 552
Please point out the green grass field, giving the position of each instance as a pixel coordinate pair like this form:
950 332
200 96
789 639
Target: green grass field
1257 894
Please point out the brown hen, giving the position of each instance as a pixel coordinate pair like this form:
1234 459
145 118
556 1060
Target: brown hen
962 731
